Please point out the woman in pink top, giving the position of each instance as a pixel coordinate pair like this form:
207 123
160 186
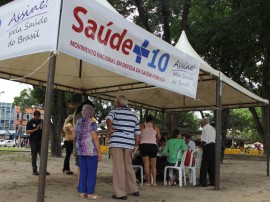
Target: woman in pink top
150 135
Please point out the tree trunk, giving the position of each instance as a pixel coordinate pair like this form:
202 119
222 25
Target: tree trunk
58 120
186 6
143 15
165 20
224 126
171 123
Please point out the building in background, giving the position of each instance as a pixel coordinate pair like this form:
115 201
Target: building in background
7 117
11 118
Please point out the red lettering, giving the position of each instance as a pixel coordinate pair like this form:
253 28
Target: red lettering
76 12
106 38
102 33
127 45
92 28
118 38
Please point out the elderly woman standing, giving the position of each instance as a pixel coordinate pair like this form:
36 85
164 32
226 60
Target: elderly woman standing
68 142
88 151
150 135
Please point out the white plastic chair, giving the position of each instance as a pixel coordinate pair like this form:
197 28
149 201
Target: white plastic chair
197 155
180 168
141 170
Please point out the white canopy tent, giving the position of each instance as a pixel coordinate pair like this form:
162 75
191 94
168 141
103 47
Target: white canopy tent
75 75
85 66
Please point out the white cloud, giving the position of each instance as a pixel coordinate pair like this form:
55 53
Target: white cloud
11 89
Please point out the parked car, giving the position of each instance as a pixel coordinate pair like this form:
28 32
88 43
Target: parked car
7 143
2 142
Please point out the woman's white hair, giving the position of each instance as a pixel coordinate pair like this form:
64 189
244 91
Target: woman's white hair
121 100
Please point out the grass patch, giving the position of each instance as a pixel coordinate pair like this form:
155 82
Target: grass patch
4 152
13 149
20 158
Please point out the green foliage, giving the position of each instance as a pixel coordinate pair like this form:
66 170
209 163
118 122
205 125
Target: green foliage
241 123
3 2
153 15
24 100
102 109
188 120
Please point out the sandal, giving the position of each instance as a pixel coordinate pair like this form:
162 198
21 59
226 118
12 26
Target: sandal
94 197
147 184
155 184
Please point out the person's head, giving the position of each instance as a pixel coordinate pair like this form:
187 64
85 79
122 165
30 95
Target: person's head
204 122
176 134
162 141
88 111
121 101
148 119
86 102
188 138
69 119
165 135
37 115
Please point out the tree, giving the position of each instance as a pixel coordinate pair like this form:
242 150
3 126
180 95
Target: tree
24 101
241 123
102 108
232 36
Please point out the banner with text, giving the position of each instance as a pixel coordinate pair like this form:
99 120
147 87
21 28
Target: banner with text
95 34
28 26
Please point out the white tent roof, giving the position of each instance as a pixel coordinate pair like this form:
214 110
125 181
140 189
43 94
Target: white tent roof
184 45
76 76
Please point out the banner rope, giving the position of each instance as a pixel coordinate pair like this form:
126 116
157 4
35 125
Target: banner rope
54 53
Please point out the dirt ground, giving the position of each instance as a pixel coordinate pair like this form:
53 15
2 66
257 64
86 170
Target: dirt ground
241 181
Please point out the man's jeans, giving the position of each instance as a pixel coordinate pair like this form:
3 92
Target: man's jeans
35 149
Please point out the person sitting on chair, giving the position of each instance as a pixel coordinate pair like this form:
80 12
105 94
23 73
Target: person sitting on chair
172 148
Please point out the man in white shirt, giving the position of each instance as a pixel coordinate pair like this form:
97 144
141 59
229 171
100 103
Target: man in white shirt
208 140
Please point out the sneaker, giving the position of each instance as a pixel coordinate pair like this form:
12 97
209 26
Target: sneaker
35 173
47 173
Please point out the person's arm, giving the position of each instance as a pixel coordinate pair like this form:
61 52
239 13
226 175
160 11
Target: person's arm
203 137
74 131
96 142
166 148
32 130
109 128
158 133
184 145
137 132
137 140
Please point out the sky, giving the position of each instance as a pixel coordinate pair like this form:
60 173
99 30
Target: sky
11 89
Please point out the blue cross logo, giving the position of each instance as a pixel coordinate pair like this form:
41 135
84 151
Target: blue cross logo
141 51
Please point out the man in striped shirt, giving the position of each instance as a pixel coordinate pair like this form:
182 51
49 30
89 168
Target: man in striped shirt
123 131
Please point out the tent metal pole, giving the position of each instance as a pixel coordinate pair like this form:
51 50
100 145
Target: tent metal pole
267 137
218 131
46 130
80 72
